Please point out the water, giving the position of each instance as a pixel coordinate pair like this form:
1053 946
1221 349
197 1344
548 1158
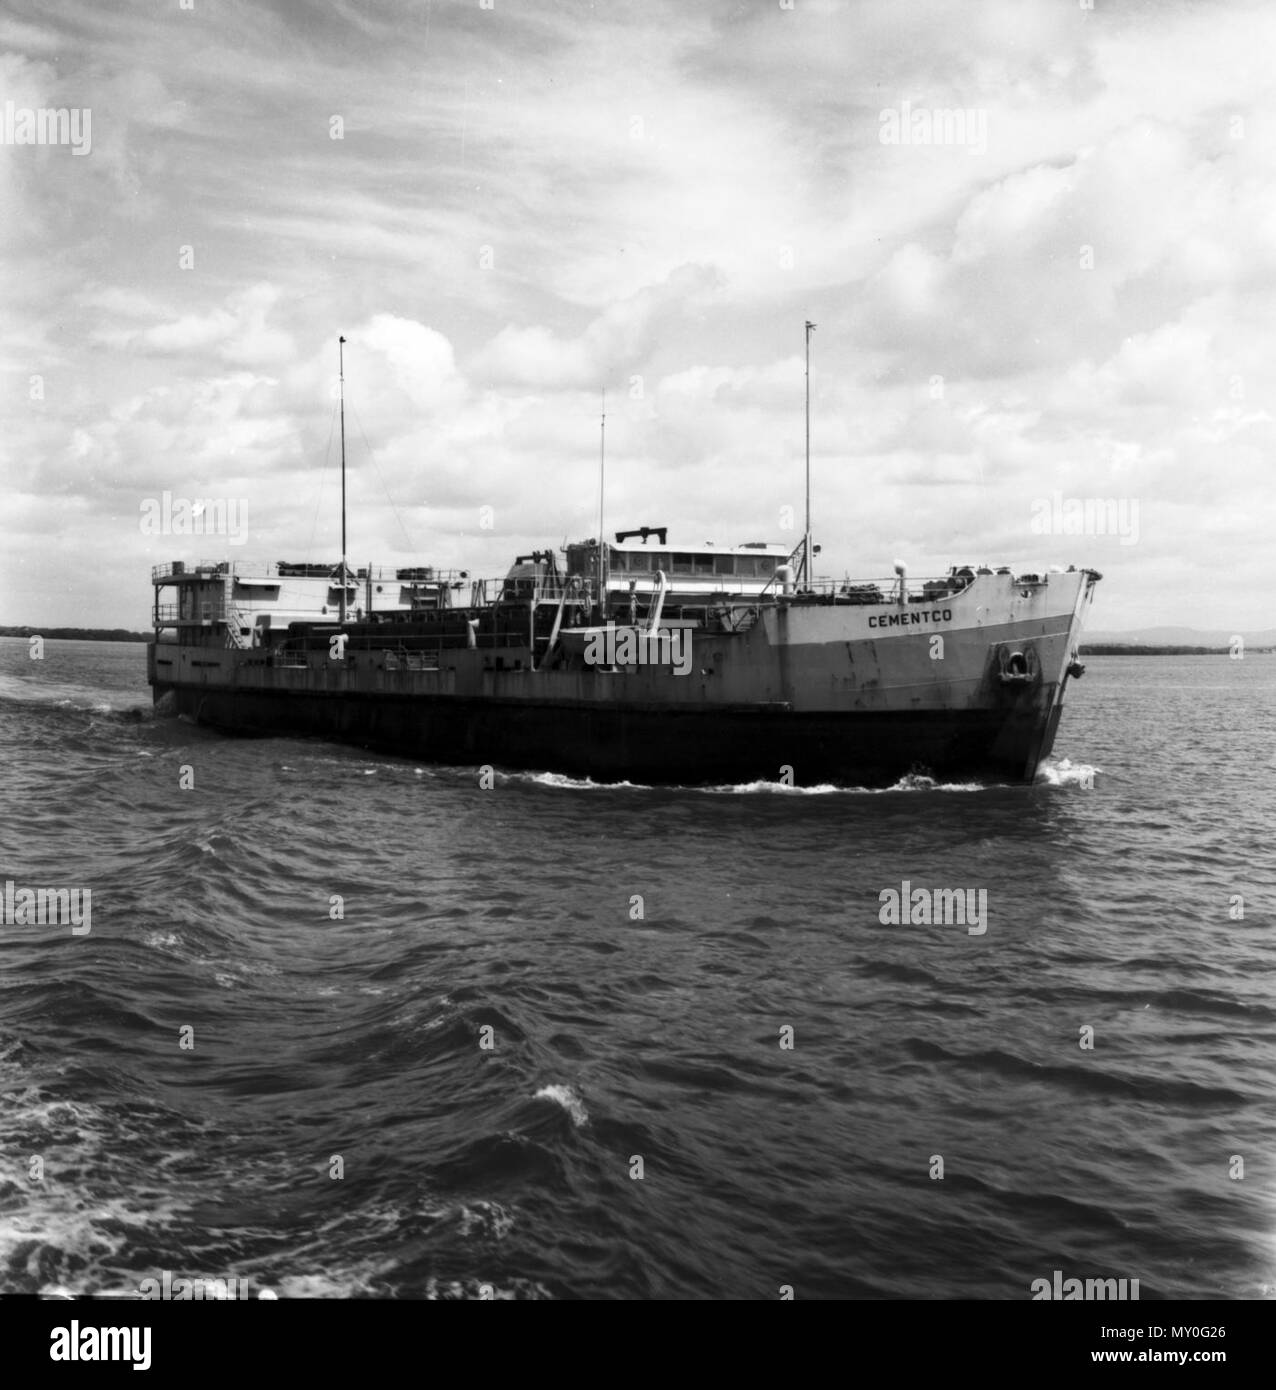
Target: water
338 1127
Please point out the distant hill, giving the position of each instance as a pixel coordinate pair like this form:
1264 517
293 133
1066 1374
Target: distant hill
78 634
1214 638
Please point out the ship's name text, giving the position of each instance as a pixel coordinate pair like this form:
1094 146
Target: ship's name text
914 619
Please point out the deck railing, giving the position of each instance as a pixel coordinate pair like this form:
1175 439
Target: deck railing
924 589
423 575
171 615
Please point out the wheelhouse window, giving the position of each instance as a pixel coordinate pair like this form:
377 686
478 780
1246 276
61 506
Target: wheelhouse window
722 564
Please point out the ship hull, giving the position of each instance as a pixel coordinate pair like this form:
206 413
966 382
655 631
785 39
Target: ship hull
659 746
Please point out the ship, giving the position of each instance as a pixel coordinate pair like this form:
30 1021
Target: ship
624 658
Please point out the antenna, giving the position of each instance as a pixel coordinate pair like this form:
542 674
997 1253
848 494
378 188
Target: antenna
341 377
602 488
807 572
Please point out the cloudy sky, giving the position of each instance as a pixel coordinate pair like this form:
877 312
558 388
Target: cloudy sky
510 206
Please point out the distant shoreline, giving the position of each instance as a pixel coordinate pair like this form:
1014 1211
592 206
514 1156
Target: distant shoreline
77 634
1146 649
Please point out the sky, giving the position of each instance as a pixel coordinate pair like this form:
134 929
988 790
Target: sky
1037 238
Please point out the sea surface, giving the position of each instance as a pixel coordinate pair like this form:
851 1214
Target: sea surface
349 1025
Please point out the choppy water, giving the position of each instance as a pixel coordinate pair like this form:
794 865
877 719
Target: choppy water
358 1039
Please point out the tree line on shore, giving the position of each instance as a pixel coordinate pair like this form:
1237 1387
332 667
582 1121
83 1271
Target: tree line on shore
78 634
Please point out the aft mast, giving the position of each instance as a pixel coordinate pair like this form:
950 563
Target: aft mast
602 486
808 573
341 379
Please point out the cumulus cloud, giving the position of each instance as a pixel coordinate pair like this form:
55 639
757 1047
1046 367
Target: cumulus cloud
237 332
612 346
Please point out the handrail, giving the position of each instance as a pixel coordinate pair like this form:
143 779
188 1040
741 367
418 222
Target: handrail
915 589
800 548
163 574
269 569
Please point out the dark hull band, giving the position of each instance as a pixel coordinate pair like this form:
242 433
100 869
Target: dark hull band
662 746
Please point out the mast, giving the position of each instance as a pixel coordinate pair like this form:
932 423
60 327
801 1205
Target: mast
808 573
341 377
602 486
